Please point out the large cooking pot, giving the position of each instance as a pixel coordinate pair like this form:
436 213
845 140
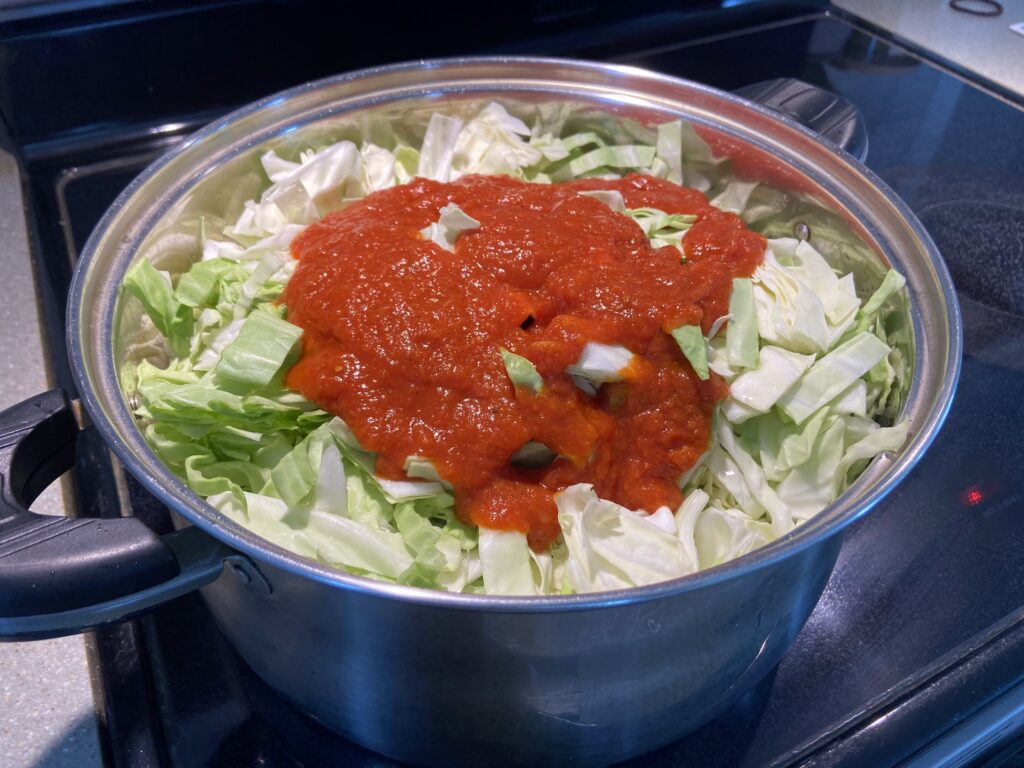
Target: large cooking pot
423 676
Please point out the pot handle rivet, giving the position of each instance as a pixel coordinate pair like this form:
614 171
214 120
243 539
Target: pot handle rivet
249 574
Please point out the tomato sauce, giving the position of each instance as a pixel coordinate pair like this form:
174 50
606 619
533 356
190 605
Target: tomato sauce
401 337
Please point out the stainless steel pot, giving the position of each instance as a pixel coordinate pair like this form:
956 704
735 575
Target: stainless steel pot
427 677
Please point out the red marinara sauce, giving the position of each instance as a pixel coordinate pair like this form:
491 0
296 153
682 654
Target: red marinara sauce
401 337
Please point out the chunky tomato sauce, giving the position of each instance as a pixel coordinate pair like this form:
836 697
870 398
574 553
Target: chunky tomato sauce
402 337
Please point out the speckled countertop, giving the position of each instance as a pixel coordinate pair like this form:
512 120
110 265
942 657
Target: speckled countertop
991 47
46 709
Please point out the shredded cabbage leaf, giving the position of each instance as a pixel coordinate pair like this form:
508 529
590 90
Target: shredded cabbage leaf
521 371
452 222
694 347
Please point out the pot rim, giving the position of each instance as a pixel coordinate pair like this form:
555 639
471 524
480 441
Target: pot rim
851 505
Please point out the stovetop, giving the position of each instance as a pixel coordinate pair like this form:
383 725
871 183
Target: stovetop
913 655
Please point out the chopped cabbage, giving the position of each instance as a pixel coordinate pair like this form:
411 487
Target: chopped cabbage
453 221
522 371
816 375
599 364
691 342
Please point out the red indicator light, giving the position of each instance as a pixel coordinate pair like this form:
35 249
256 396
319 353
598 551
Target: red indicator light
972 496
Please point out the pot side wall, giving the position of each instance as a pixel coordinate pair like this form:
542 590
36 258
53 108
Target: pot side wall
447 687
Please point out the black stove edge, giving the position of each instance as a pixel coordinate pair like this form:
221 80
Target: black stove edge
124 696
117 140
951 68
987 740
122 682
589 30
699 25
602 43
975 691
68 10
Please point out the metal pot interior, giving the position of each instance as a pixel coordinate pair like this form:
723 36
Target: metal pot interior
208 178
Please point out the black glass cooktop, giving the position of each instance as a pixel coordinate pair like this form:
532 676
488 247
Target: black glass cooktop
915 654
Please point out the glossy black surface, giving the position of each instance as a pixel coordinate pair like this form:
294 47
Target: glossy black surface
89 97
918 642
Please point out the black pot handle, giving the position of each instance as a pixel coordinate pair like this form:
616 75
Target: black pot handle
62 575
831 116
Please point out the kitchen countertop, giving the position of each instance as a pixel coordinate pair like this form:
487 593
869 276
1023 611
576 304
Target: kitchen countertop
984 46
47 717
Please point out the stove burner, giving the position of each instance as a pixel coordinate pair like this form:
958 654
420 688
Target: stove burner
983 245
